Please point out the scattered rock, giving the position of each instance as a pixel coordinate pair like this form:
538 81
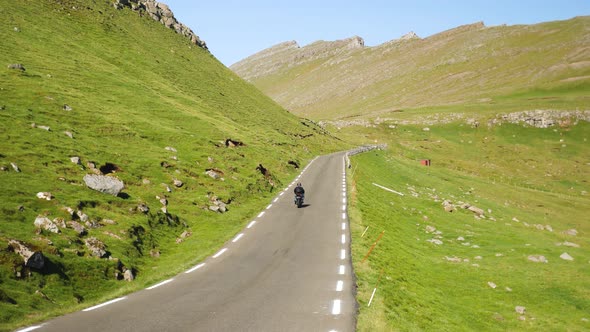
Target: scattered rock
453 259
128 275
163 200
435 241
69 134
115 236
143 208
77 227
155 253
571 232
42 222
67 107
60 222
96 247
232 143
538 259
569 244
32 258
492 285
183 236
16 66
82 216
178 183
75 160
45 195
44 128
548 228
460 238
448 206
508 289
520 310
430 229
214 173
426 129
566 256
476 210
169 148
104 184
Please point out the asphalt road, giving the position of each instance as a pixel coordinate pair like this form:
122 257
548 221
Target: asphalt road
288 270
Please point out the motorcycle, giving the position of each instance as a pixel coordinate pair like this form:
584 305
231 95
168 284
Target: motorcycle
299 200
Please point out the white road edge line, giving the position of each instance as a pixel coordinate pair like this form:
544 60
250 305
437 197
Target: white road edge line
275 200
251 224
260 214
220 253
343 215
106 303
237 237
343 239
336 307
30 328
160 284
343 226
269 206
342 254
339 286
195 268
342 269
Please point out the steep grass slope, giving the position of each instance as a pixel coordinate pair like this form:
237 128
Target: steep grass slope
469 65
121 91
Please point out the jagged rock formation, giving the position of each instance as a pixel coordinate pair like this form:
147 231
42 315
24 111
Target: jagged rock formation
290 54
161 12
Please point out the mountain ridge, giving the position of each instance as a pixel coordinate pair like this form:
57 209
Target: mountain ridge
465 64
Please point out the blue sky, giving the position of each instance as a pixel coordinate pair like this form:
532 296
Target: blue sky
235 29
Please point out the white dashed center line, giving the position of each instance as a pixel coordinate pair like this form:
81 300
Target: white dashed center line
336 307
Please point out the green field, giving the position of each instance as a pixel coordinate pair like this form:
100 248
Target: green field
532 185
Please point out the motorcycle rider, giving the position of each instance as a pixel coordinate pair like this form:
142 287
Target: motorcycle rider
299 191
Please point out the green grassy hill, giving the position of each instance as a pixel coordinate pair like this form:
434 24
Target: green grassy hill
117 89
470 65
451 269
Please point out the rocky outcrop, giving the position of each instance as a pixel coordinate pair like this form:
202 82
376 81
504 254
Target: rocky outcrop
32 258
542 118
45 223
161 12
96 247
